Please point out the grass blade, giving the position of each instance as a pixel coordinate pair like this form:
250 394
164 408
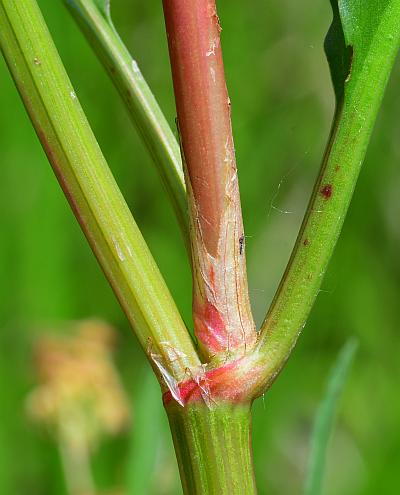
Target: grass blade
325 418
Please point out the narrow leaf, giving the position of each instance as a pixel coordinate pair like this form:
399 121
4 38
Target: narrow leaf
324 422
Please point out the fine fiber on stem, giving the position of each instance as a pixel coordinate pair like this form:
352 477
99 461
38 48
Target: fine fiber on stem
221 308
91 189
360 71
94 19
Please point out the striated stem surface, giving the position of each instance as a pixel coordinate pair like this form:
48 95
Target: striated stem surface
213 448
90 188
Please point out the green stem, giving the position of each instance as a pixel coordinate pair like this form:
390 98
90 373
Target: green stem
95 21
334 188
90 187
75 456
213 448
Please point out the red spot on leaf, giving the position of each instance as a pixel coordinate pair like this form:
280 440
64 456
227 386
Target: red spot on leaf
326 191
306 242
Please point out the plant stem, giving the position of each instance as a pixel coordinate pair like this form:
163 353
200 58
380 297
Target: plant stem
143 108
91 189
334 188
221 308
213 448
75 457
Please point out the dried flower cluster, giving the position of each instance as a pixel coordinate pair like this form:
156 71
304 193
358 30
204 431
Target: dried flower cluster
79 392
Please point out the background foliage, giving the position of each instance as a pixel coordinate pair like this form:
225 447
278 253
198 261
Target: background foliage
282 104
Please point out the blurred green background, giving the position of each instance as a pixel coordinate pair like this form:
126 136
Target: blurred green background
282 106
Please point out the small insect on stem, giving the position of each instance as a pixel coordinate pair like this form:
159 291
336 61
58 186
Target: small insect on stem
241 244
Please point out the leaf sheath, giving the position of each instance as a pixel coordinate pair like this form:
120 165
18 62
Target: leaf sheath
221 308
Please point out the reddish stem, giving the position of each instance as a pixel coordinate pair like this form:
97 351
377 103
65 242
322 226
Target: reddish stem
236 382
221 308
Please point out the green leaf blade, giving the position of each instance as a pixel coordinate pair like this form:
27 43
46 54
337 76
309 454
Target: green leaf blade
104 6
325 418
357 30
339 55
